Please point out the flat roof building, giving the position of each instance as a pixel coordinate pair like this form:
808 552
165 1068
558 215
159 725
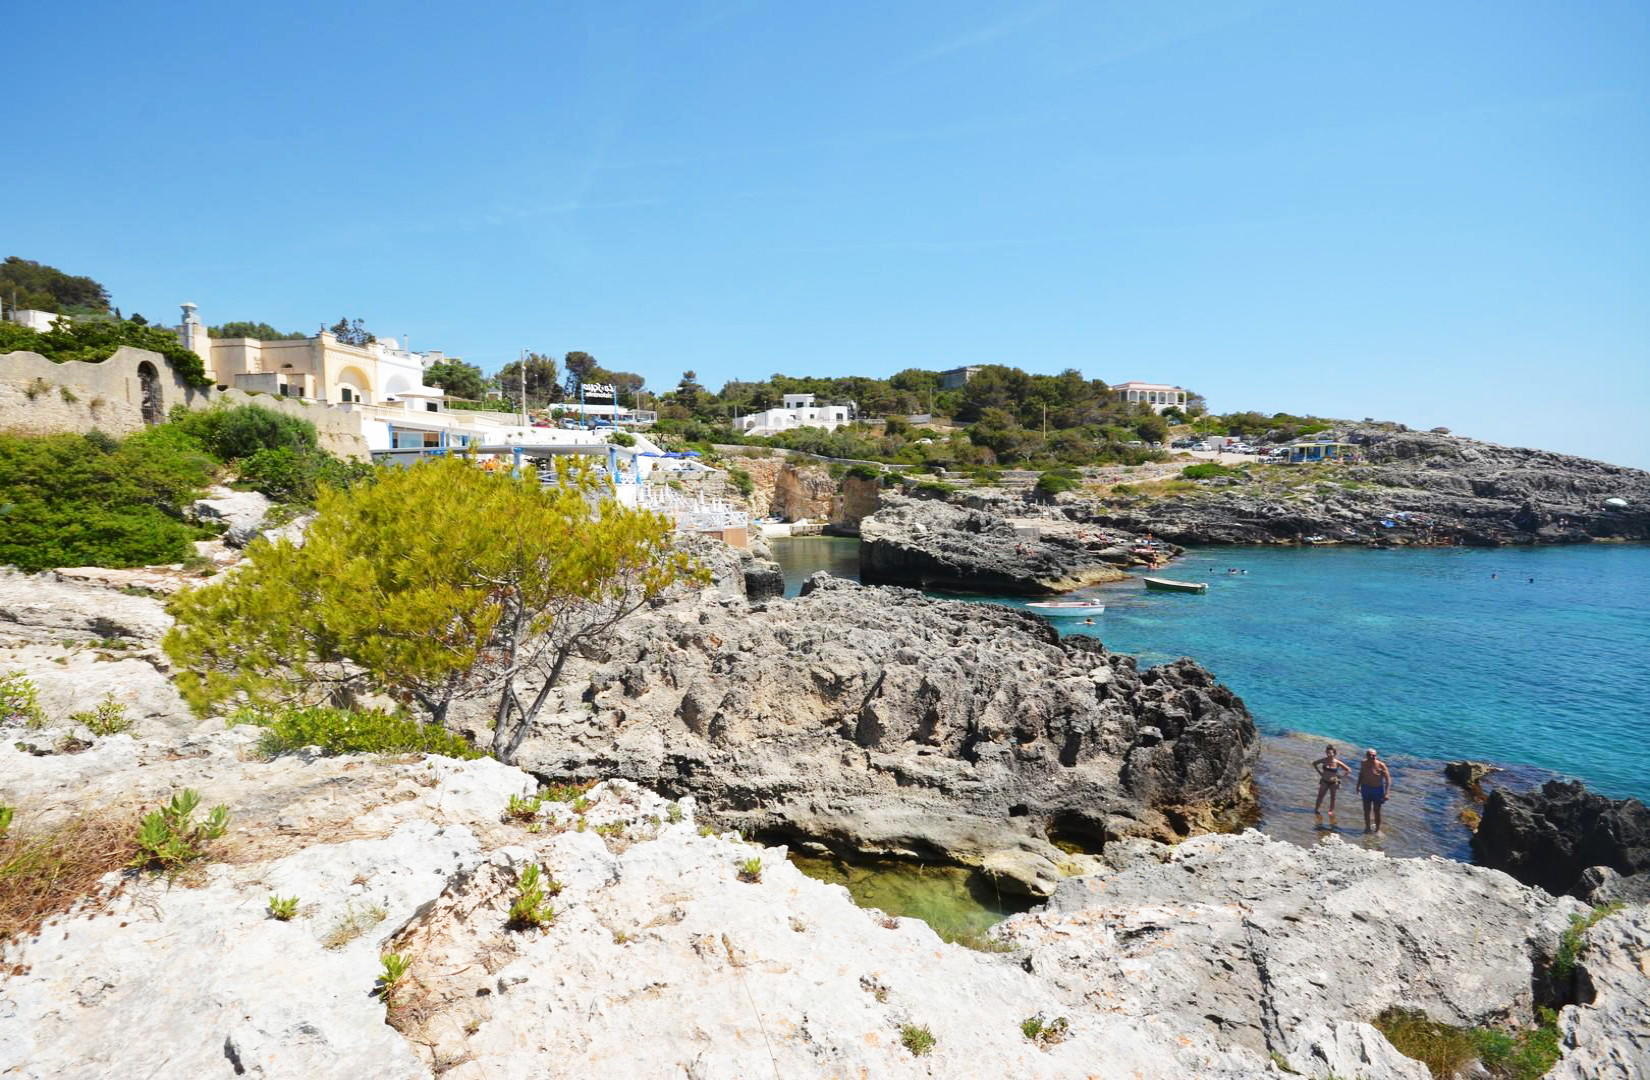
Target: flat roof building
1159 396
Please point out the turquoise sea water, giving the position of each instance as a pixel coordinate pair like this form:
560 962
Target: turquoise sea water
1420 653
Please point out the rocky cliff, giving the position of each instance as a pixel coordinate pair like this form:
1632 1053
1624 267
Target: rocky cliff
929 543
1427 488
878 721
1555 836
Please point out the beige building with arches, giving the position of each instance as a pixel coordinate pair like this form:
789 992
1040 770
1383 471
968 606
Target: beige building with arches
319 368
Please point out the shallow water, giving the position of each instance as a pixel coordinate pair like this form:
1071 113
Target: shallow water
800 556
958 903
1423 653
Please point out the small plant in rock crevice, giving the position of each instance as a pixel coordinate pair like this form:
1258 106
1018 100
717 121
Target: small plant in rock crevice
750 870
352 924
20 701
531 910
673 813
522 809
170 837
6 813
282 909
1045 1032
1569 942
109 718
917 1039
391 976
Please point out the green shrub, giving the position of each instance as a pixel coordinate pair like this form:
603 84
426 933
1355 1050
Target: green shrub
20 701
750 870
71 500
1446 1050
1045 1032
355 731
918 1040
622 438
934 488
6 813
530 910
170 837
1053 483
241 431
109 718
282 909
1206 470
741 480
863 472
291 475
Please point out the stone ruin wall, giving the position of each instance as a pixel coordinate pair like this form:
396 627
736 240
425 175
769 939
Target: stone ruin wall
40 397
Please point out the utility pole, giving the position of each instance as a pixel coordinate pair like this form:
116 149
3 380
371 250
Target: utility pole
521 369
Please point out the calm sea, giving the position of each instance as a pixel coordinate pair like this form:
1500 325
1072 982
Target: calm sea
1529 657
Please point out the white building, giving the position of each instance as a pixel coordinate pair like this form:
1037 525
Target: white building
32 319
1158 395
799 410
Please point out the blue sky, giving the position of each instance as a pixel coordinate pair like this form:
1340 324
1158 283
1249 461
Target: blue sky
1435 213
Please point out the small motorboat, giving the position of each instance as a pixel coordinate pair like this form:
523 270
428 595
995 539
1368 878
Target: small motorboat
1065 609
1163 584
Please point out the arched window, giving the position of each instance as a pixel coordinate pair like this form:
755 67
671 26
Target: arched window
149 393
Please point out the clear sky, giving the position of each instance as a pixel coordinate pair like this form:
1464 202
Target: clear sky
1437 213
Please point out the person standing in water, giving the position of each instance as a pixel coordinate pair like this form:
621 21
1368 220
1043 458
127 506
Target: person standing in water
1374 784
1330 770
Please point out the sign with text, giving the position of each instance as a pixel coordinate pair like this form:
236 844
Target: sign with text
596 389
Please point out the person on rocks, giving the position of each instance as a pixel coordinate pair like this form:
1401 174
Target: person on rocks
1330 769
1374 784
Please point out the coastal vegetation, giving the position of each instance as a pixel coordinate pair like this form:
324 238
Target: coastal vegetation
169 838
1447 1051
408 586
95 340
530 910
1569 942
282 908
351 731
25 283
94 500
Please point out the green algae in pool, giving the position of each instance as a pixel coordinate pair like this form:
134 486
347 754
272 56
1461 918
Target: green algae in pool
958 903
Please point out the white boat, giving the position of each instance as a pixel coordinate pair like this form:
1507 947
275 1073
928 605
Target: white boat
1171 585
1065 609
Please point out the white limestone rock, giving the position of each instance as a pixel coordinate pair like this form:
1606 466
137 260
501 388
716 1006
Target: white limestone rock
1608 1038
242 512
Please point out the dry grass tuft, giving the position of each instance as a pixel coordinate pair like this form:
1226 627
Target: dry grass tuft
43 874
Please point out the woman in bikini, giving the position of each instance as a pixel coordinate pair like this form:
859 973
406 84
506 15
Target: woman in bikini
1330 769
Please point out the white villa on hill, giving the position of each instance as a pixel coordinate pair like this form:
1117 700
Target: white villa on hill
1159 396
798 410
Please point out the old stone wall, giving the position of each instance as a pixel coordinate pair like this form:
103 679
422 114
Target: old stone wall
39 397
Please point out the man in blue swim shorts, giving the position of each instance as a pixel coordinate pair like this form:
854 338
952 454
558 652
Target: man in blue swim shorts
1374 783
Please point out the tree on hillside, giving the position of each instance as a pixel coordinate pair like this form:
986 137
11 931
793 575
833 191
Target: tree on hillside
542 385
409 586
579 366
25 283
95 340
351 332
688 391
258 331
457 378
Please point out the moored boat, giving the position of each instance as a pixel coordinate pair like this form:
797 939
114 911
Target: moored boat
1170 585
1065 608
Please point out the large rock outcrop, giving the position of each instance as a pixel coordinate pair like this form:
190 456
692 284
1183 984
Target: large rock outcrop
1228 957
880 721
1429 488
1551 837
928 543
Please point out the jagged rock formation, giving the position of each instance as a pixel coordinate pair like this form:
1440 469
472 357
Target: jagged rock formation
1436 489
1552 836
1215 959
880 721
928 543
860 497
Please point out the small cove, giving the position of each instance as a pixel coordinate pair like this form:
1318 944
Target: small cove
1428 655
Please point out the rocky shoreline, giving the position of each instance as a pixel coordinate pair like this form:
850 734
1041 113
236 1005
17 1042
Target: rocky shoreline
1406 489
851 719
